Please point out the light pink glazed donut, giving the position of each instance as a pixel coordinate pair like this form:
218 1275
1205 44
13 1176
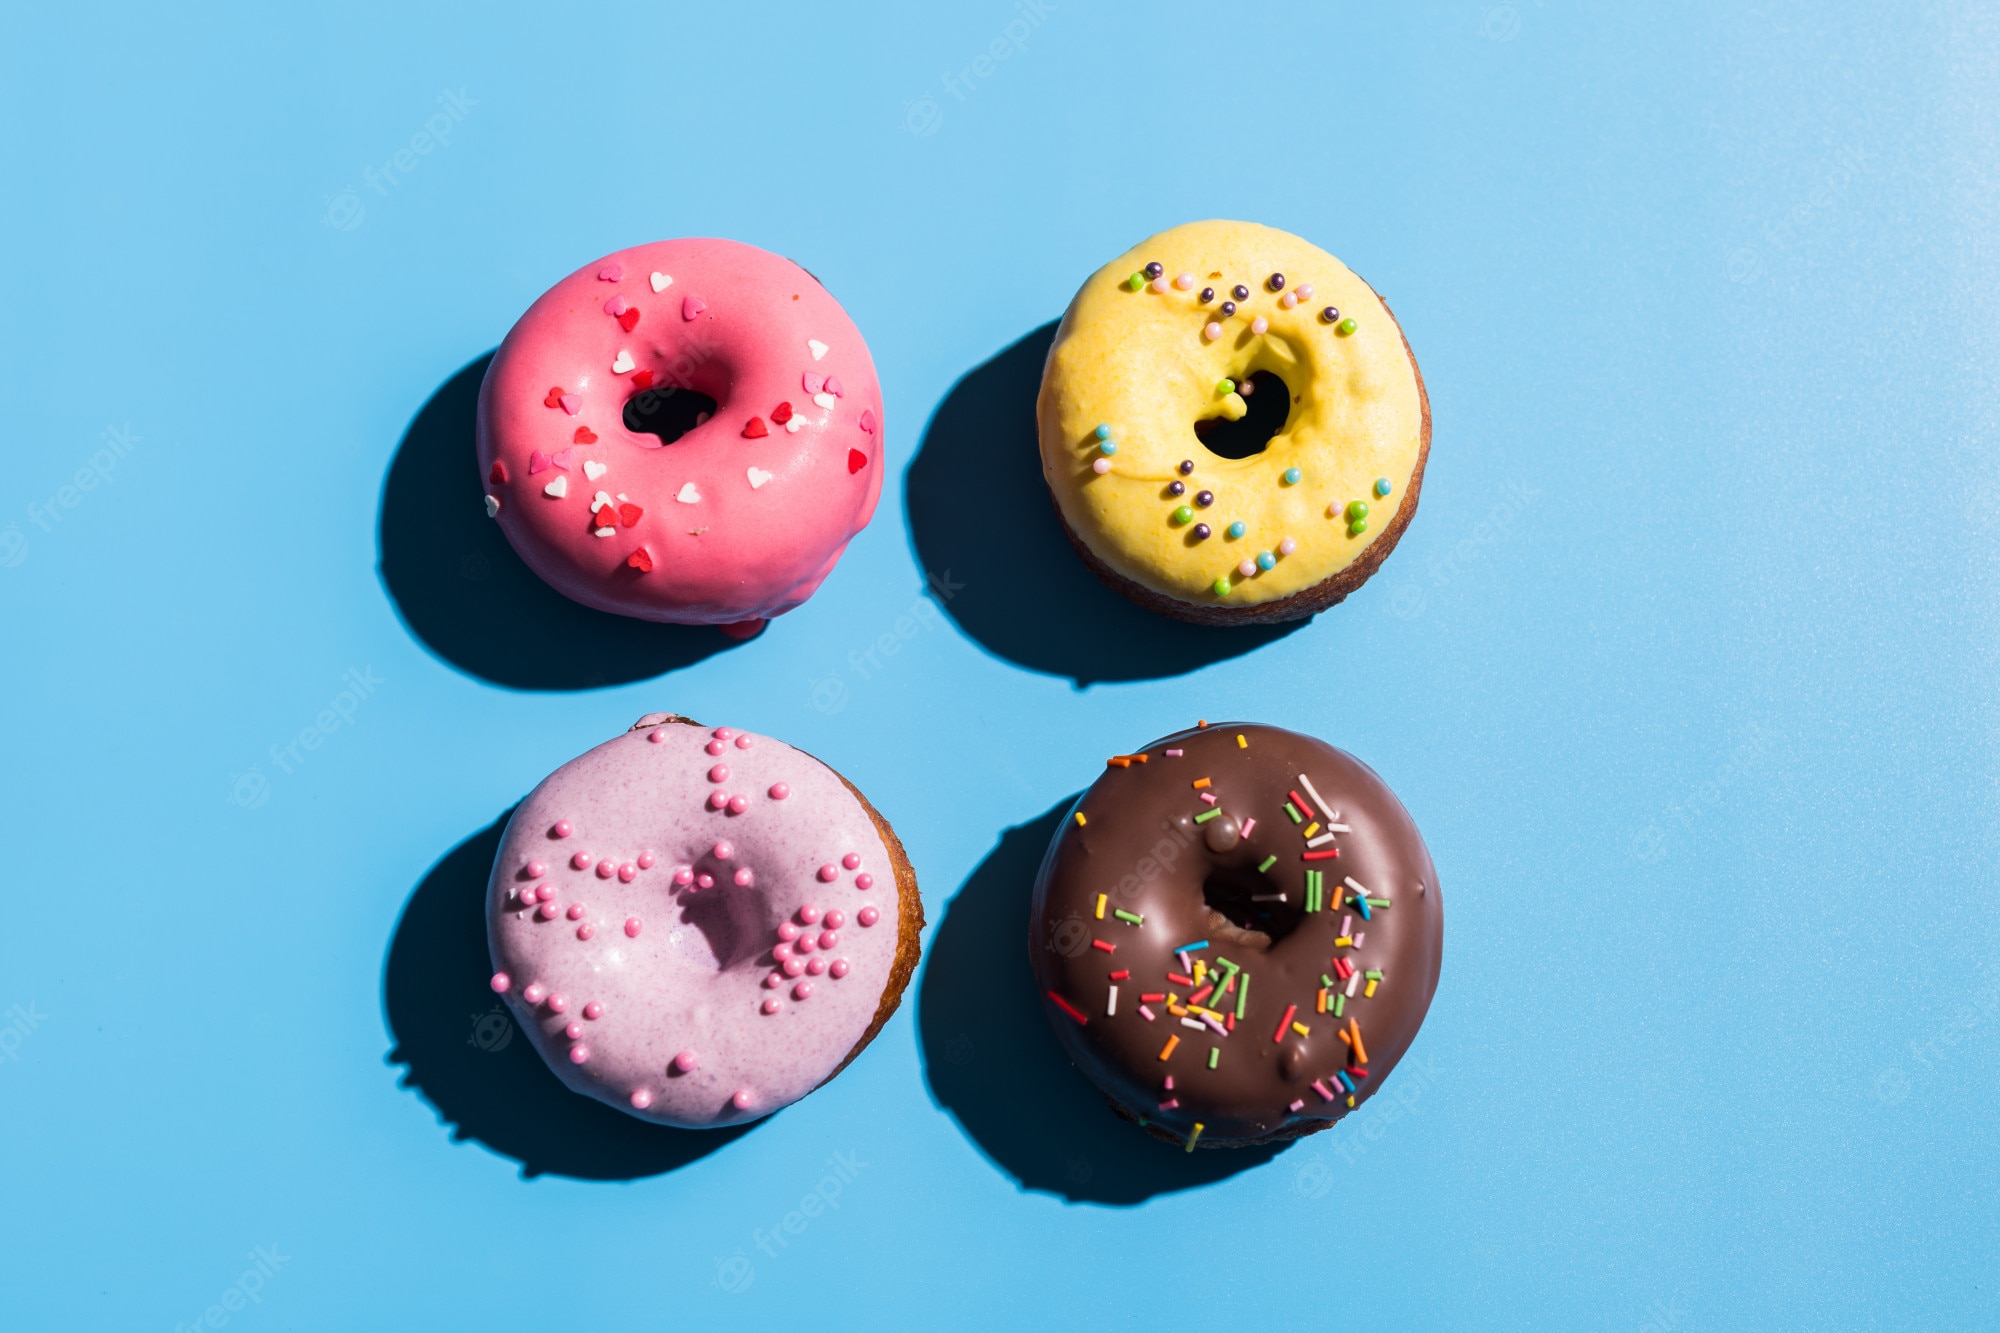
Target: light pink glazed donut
740 518
716 923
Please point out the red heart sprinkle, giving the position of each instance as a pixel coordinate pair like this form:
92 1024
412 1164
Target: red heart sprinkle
498 476
856 460
555 397
607 517
584 435
756 430
630 513
643 380
630 318
781 413
640 560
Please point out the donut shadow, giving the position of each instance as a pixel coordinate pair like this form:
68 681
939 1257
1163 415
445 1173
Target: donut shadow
464 1054
460 589
984 528
992 1062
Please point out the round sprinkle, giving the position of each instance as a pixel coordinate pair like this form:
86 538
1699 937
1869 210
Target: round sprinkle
1276 282
575 912
1305 291
745 741
868 916
1135 282
717 799
1176 488
684 876
1358 509
606 868
1287 546
839 969
685 1061
1207 295
1103 431
1357 526
579 1053
558 1003
1265 560
1210 332
1240 292
547 911
1154 270
536 870
828 873
704 880
1182 515
1237 529
716 747
779 791
562 829
1204 498
646 860
1223 388
656 736
738 804
534 993
802 990
816 967
1246 568
574 1032
500 983
1288 300
744 877
1100 466
1158 286
1292 476
744 1099
1201 532
720 773
772 1006
1259 324
1184 280
579 861
1329 315
787 931
792 967
835 919
724 850
1222 587
1228 308
641 1099
1382 487
864 882
1345 327
809 914
851 861
1186 467
593 1011
627 873
723 733
1107 447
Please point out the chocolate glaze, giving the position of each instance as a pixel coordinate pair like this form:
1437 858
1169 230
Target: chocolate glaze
1138 845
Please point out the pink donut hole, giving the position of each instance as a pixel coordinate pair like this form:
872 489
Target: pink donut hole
593 1011
738 804
632 927
579 861
646 859
779 791
627 873
536 870
501 983
717 799
558 1003
575 912
744 879
787 931
641 1099
839 969
715 747
579 1053
835 919
684 876
802 991
864 881
828 873
815 966
829 938
809 914
563 828
574 1031
720 773
868 916
724 850
851 861
534 993
743 1100
772 1006
685 1062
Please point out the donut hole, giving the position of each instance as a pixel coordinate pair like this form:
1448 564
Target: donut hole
1243 907
1270 402
735 924
668 411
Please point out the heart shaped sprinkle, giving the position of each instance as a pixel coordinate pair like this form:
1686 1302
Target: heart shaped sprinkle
629 320
602 500
492 505
824 399
856 460
557 488
781 413
692 306
758 476
792 426
661 282
867 421
571 403
833 386
756 429
498 474
689 495
537 462
623 363
594 469
616 306
816 347
630 515
555 397
643 380
611 273
563 458
641 559
814 382
584 435
604 516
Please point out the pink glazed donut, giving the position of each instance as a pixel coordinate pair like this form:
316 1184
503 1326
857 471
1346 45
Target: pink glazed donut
740 518
699 926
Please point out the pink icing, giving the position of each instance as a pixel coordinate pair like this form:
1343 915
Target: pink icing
708 978
764 546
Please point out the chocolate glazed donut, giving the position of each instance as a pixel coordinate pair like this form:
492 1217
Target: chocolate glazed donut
1237 932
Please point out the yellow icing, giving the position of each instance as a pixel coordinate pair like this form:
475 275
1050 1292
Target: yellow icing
1137 361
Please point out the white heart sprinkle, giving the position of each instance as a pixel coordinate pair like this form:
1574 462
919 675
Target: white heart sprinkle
492 505
758 476
792 426
605 532
689 495
594 469
623 363
622 497
817 348
823 399
603 499
558 488
661 282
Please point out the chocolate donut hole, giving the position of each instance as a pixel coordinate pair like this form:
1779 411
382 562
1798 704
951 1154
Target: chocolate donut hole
1243 908
1270 404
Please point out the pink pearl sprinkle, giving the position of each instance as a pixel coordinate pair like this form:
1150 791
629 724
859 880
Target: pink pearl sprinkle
641 1099
809 914
656 736
738 804
868 916
835 919
1259 324
632 927
781 951
579 861
804 943
802 990
585 931
534 993
744 879
839 969
715 747
828 938
685 1062
704 880
724 850
593 1011
1159 286
1211 331
579 1053
563 828
864 881
720 773
791 967
536 870
1288 300
775 980
717 799
852 861
815 966
744 1099
1287 546
1100 466
828 873
1247 568
771 1006
547 912
684 876
627 873
546 892
779 791
787 931
558 1003
574 1032
722 733
1184 280
744 742
501 983
646 860
575 912
1305 291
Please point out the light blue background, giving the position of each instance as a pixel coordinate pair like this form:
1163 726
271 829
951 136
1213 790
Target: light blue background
1685 668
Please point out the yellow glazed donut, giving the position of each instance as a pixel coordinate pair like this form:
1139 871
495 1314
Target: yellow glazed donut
1174 332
